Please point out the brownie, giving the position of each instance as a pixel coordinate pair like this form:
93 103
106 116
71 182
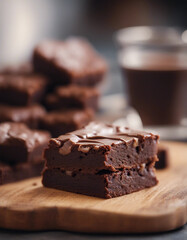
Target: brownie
70 61
61 122
20 144
104 185
19 171
73 96
29 115
101 160
101 146
163 156
21 90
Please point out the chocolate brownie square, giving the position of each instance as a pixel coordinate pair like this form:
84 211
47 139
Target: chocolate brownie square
71 61
24 68
101 147
20 144
20 171
61 122
163 156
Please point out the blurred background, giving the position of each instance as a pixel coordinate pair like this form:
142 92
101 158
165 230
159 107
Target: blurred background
23 23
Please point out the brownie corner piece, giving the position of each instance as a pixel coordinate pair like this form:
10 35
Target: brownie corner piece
20 144
71 61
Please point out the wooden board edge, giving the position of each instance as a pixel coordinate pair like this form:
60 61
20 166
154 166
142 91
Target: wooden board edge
76 220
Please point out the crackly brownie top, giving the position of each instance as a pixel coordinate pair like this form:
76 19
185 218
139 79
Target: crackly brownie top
95 135
11 133
28 83
16 114
75 55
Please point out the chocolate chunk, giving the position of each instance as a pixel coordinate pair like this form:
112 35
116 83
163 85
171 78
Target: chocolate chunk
19 144
70 61
61 122
73 96
21 90
29 115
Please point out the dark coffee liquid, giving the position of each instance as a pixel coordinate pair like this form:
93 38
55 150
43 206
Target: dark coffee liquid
157 85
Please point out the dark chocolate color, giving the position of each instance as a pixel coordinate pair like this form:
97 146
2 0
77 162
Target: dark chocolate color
163 156
29 115
19 69
104 185
101 146
21 90
19 171
70 61
157 87
101 160
61 122
21 144
72 96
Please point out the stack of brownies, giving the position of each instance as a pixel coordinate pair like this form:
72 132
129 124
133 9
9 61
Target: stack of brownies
21 147
21 91
62 81
101 160
73 69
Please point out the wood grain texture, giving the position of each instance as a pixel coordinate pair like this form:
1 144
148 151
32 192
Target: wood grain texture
28 206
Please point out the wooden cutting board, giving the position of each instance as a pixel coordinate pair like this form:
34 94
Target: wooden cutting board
28 206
